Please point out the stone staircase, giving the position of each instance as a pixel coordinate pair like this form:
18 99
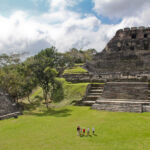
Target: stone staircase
146 107
124 97
93 92
122 105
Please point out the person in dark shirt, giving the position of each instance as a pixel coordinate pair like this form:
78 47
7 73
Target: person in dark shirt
78 130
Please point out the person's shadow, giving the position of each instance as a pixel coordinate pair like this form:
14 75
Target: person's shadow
95 134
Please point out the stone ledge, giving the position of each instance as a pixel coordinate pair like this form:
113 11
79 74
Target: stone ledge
119 107
88 103
123 101
129 83
15 114
146 108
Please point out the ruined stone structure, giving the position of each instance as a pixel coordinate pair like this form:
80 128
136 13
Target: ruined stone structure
126 56
84 77
118 96
124 97
93 92
7 107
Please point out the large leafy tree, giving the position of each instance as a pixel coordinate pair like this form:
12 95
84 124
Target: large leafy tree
29 80
16 78
10 80
44 70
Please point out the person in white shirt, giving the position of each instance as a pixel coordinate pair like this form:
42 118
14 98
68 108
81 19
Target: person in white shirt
88 131
93 130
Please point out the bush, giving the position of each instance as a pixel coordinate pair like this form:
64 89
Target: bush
58 91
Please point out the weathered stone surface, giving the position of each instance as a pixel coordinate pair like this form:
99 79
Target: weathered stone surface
126 90
124 97
85 77
126 56
119 106
93 92
6 106
146 108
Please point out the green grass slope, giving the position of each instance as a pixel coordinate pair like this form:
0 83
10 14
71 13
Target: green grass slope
72 92
56 130
75 70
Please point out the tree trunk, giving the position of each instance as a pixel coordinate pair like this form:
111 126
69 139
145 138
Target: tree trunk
45 97
16 99
29 99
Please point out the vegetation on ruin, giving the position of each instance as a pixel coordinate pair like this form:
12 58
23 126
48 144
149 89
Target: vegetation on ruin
75 70
19 79
55 129
68 95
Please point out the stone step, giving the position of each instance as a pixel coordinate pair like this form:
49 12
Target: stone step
119 107
91 98
122 105
88 103
96 90
146 108
97 85
123 101
95 94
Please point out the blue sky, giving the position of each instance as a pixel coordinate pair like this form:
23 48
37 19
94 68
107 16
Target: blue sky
32 25
9 6
37 7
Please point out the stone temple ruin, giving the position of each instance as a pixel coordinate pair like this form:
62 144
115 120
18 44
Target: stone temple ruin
126 56
7 107
124 65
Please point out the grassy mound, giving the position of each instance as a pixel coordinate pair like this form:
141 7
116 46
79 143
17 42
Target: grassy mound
72 92
75 70
56 130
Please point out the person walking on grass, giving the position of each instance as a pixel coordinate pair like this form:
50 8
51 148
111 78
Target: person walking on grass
93 130
83 131
78 130
88 131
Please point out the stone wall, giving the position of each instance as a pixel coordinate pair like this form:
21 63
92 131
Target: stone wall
126 90
124 97
85 77
6 105
126 54
118 106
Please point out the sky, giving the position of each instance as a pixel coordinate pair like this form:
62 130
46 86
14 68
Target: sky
28 26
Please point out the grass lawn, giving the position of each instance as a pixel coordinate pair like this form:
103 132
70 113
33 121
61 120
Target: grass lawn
56 130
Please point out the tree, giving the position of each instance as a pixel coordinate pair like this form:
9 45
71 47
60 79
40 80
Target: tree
29 81
16 78
44 70
11 83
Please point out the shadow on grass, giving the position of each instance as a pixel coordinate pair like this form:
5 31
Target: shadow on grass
90 135
52 112
76 102
33 105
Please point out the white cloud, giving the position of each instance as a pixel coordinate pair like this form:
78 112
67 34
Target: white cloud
63 28
120 8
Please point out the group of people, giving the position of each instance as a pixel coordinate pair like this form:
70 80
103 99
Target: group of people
82 132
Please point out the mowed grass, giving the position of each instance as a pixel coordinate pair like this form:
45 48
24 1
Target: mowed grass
56 130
